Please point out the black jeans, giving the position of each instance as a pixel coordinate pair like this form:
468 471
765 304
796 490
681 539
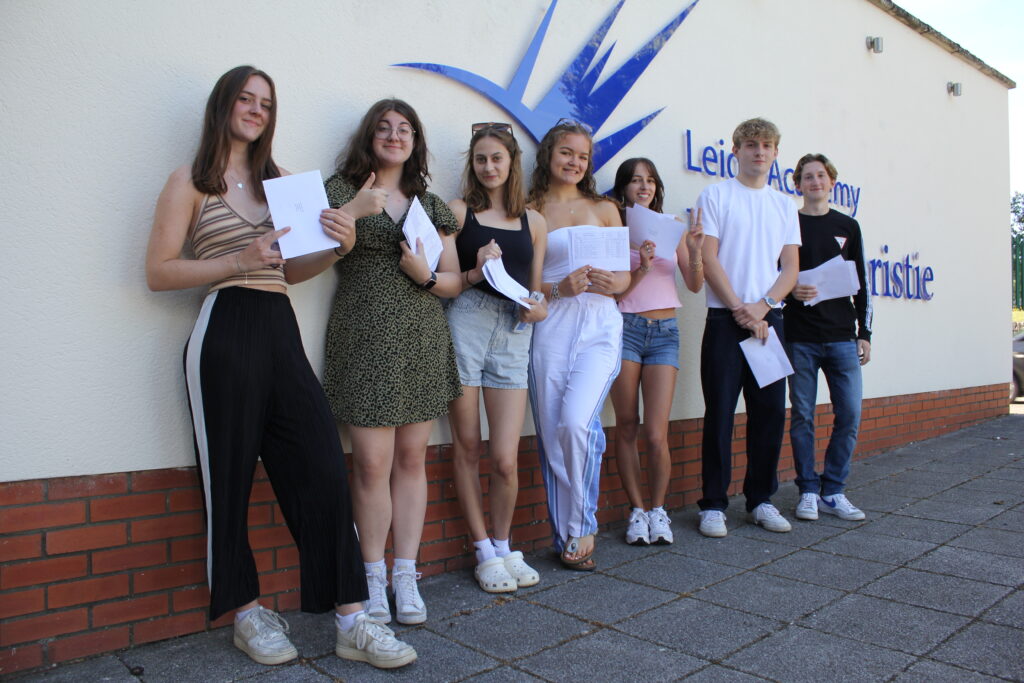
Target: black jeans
723 373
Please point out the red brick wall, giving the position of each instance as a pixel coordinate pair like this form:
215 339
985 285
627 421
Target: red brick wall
98 563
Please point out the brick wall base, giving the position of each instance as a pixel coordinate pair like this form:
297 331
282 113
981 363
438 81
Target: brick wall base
98 563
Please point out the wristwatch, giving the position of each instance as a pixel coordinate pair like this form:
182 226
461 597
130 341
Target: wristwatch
772 303
431 281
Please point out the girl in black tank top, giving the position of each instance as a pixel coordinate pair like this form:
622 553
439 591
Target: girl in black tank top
491 351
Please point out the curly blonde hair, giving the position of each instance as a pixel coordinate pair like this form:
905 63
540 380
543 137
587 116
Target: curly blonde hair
756 129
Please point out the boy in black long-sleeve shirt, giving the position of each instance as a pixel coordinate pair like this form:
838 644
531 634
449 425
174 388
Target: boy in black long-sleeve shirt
834 336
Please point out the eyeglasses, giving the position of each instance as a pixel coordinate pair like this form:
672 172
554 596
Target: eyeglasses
488 125
573 123
383 131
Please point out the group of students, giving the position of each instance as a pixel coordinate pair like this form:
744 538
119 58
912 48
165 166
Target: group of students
407 344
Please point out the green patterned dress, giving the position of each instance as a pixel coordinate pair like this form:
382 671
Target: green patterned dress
389 359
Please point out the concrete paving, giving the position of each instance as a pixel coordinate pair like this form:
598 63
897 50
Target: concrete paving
927 588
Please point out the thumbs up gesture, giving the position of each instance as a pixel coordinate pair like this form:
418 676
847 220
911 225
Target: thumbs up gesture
368 201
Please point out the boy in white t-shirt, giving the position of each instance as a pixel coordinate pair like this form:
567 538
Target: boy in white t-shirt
750 263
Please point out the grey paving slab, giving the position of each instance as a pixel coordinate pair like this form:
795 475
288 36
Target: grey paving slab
1008 488
801 655
996 541
1008 472
906 628
610 656
699 628
927 671
804 533
879 497
915 528
959 495
503 674
924 480
987 649
1009 611
495 632
313 635
551 571
105 668
588 599
827 569
612 550
937 591
676 573
953 466
875 547
720 674
439 660
455 593
735 550
209 656
971 564
1010 520
769 596
293 673
944 512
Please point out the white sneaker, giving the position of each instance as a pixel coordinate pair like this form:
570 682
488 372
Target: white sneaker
712 523
372 642
638 531
768 516
377 605
261 635
524 574
661 527
807 508
837 504
409 607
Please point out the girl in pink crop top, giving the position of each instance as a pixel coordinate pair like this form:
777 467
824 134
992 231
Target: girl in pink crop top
650 353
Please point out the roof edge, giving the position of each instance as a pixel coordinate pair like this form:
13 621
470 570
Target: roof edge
892 9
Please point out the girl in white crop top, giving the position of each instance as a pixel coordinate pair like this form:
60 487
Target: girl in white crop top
650 354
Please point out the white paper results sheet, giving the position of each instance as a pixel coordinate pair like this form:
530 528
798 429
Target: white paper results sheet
417 224
296 201
603 248
661 228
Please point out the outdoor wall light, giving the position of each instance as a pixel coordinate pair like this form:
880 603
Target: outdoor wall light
874 44
954 89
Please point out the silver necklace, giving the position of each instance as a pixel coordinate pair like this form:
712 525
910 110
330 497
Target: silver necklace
239 184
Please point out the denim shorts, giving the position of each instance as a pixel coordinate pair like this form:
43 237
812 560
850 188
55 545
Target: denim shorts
488 351
650 342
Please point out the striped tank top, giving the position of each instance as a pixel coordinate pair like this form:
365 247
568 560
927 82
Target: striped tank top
220 230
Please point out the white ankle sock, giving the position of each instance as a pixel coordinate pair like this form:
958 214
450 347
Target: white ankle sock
501 547
347 621
402 566
484 550
370 566
640 510
660 508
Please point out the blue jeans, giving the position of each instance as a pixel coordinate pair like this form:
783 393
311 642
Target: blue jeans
841 365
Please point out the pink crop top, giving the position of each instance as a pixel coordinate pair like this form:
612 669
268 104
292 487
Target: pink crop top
656 290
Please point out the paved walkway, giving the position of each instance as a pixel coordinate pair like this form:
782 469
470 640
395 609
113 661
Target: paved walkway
928 588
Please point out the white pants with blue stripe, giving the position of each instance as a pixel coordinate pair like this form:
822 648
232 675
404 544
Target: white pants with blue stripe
574 358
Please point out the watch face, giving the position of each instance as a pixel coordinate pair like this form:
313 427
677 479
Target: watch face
770 301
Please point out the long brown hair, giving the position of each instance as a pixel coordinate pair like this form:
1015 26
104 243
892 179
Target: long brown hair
475 194
357 160
623 176
211 159
541 179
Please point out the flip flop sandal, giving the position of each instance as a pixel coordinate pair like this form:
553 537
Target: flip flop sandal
582 564
493 577
524 574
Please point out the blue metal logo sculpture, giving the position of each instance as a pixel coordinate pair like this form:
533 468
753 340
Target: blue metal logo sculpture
574 95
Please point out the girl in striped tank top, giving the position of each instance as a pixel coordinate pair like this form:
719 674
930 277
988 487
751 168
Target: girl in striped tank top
251 391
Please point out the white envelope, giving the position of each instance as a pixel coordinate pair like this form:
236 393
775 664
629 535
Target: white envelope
296 201
661 228
417 224
767 359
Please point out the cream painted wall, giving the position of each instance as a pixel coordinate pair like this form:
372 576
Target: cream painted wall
100 101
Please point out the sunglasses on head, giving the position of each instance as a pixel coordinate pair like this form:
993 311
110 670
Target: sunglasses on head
489 125
571 123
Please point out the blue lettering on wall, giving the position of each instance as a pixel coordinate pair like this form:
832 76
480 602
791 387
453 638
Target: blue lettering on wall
700 160
900 278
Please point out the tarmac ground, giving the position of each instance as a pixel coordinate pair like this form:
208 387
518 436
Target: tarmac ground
927 588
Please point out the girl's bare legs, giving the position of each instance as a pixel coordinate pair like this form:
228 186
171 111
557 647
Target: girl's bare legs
658 385
464 418
409 488
625 394
505 411
373 456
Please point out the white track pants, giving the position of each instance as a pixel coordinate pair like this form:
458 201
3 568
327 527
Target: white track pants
574 358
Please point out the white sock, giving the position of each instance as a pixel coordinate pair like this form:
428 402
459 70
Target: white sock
484 550
640 510
660 508
501 548
370 566
402 566
243 613
347 621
